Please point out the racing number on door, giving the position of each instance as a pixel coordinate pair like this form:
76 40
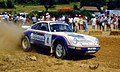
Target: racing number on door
48 39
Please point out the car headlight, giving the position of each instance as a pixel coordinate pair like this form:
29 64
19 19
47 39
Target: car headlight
75 41
96 41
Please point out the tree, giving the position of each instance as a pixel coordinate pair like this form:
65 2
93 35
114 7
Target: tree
3 4
97 3
10 4
47 3
63 1
113 4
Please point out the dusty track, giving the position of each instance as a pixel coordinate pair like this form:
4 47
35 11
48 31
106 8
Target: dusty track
14 59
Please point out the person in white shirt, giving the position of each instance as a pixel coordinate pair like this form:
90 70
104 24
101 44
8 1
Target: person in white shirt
5 17
76 21
104 19
108 23
94 20
71 22
48 16
34 19
24 20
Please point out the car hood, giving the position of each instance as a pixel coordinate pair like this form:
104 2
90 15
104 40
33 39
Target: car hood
76 39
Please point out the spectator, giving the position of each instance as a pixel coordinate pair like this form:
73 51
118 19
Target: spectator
24 20
100 21
85 24
108 23
76 21
71 22
47 16
53 18
66 20
81 25
34 19
119 22
114 22
103 22
5 17
16 17
27 20
94 20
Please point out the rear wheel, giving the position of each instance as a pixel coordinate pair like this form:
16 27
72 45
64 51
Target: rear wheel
26 44
60 51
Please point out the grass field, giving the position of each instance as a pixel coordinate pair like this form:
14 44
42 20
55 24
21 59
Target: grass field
29 8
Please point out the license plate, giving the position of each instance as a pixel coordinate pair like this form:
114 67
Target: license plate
92 48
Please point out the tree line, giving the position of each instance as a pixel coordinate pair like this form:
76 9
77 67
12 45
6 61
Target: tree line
111 4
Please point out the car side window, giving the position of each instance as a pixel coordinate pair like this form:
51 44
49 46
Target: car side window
44 27
41 26
34 26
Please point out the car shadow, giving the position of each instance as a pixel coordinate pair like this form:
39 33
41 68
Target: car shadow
46 51
80 57
42 50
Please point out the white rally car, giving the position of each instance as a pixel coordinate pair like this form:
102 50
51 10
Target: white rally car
59 38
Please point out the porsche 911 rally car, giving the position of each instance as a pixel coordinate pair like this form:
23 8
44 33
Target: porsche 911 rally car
59 38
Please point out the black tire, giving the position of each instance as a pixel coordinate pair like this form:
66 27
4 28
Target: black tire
60 51
26 45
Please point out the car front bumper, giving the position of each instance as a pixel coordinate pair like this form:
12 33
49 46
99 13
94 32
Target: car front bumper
82 50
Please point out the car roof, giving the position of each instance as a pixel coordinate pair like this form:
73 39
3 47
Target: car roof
51 22
58 23
46 22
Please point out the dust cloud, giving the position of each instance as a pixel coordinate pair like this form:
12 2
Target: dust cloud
10 36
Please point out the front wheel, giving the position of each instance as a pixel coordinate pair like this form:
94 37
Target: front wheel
60 51
26 44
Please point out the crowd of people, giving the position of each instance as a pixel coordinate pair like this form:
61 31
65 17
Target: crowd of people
78 22
106 21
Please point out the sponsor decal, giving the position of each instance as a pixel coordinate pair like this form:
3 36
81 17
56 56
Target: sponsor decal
37 37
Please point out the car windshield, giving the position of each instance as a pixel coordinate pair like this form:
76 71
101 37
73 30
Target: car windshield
60 28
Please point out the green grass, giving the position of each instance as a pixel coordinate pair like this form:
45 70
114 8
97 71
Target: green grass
28 8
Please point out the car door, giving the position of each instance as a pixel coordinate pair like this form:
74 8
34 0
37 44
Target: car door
41 34
47 36
37 36
33 33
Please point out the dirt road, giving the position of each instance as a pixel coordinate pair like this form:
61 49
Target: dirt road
14 59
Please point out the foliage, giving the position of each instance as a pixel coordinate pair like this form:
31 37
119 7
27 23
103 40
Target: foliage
113 4
10 4
97 3
6 4
110 4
